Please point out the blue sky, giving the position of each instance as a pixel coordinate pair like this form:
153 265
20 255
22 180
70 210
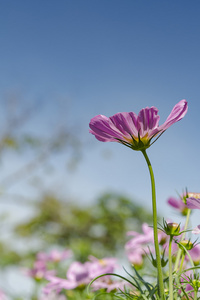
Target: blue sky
102 57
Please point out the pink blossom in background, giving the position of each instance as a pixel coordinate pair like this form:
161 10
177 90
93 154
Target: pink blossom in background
55 285
178 204
80 274
145 237
2 295
138 245
196 230
136 256
77 275
39 271
195 254
54 255
101 266
53 296
109 285
141 238
142 243
135 131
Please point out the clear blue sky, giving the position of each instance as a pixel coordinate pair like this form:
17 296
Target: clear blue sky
104 57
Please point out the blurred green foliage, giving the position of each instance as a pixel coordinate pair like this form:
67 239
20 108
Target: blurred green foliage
98 229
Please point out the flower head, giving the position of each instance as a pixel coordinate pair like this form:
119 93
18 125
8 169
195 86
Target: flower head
178 204
138 247
193 201
77 275
54 256
135 131
80 274
39 271
101 266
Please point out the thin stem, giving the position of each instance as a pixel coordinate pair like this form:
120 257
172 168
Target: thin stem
182 262
170 270
155 229
195 294
182 238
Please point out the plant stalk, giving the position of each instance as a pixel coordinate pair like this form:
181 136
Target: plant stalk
155 229
182 238
170 269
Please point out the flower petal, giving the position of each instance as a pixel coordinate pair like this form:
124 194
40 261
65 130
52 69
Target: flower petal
193 203
174 202
126 123
104 129
196 230
148 120
177 113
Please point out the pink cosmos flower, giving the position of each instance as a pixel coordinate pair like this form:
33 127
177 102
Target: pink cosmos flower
136 256
80 274
54 256
195 254
101 266
193 201
141 244
134 131
178 204
39 271
140 238
77 275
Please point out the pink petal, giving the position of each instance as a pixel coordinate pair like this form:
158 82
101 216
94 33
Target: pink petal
177 113
104 129
126 123
196 230
148 120
193 203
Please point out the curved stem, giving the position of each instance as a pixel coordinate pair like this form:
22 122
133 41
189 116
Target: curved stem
182 238
155 229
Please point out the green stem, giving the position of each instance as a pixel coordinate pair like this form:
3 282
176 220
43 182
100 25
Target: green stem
181 264
155 229
195 294
170 270
182 238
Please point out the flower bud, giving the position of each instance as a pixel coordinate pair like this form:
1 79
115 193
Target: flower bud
187 244
195 284
172 229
